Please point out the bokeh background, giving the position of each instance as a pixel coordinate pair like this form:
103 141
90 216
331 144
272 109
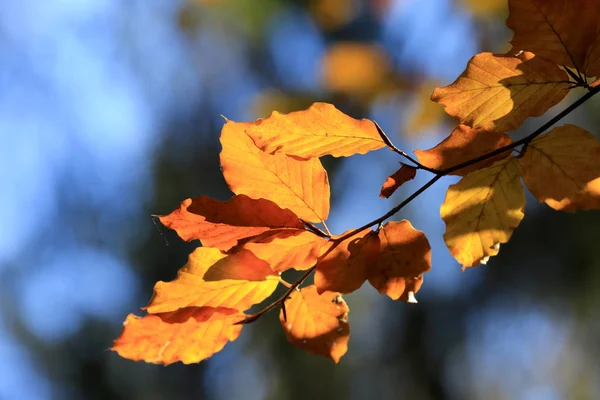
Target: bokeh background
110 111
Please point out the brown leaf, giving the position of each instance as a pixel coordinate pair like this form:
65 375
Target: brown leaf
317 323
464 144
188 335
345 268
222 224
562 169
405 257
397 179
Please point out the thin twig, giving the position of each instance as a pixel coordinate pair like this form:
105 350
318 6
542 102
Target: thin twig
326 228
315 229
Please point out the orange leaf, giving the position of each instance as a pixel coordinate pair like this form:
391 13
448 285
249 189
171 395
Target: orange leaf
222 224
405 257
317 323
300 185
188 335
464 144
498 92
558 30
562 168
287 248
213 279
344 268
482 210
397 179
321 129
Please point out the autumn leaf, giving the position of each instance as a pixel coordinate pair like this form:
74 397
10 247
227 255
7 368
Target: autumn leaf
482 210
344 266
299 185
213 279
562 169
321 129
405 257
222 224
188 335
423 113
592 62
397 179
287 248
498 92
317 323
464 144
558 30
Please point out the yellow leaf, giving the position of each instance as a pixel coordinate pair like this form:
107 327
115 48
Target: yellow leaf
321 129
482 210
423 113
498 92
287 248
188 335
300 185
213 279
485 7
317 323
405 257
464 144
562 168
344 268
558 30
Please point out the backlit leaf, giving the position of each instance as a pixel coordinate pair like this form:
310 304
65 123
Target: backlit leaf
213 279
482 210
397 179
345 268
321 129
317 323
221 224
405 257
562 168
498 92
188 335
287 248
299 185
464 144
557 30
592 66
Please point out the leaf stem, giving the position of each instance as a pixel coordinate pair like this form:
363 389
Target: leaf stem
315 229
326 228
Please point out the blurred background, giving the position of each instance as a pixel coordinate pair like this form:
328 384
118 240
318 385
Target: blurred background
110 111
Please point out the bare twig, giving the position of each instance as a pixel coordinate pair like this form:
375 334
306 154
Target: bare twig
315 229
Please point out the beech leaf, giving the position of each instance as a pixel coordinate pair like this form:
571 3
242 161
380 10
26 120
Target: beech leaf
317 323
397 179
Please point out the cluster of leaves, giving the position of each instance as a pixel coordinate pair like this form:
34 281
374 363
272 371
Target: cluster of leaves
275 222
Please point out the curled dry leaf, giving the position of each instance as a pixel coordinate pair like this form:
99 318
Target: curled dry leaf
222 224
562 169
397 179
320 130
287 248
558 30
213 279
188 335
299 185
482 210
344 266
405 257
464 144
317 323
498 92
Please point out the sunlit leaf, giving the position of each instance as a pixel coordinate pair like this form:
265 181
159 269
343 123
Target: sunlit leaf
317 323
287 248
222 224
299 185
498 92
397 179
188 335
213 279
321 129
345 268
558 30
405 257
423 113
562 169
464 144
482 210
